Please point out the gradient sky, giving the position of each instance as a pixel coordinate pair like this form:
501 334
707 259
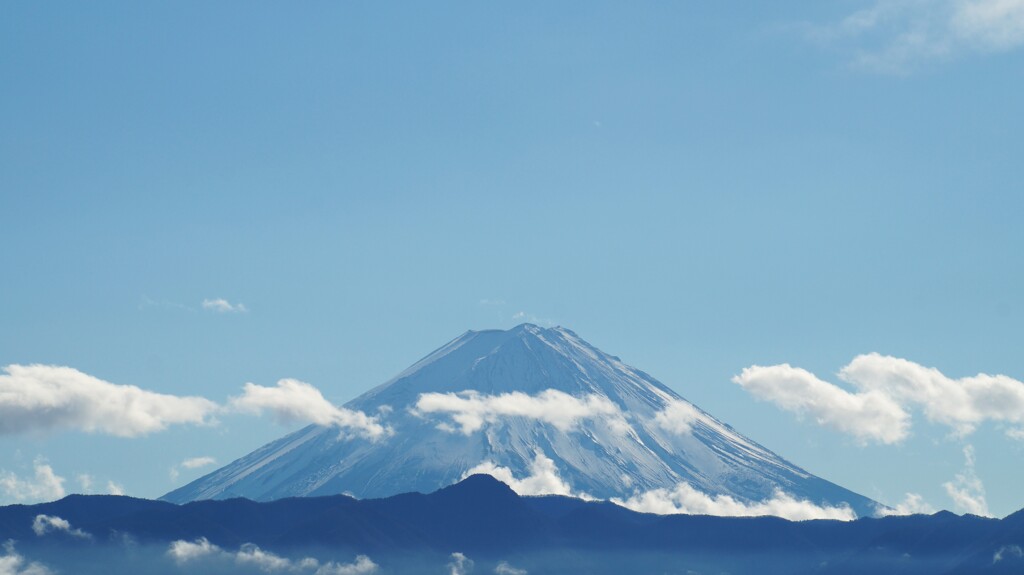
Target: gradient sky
695 187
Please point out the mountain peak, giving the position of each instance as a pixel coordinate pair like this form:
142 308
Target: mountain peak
538 407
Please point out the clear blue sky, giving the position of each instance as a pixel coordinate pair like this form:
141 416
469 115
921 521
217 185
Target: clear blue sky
696 187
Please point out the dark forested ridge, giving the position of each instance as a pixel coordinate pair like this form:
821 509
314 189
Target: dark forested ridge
484 518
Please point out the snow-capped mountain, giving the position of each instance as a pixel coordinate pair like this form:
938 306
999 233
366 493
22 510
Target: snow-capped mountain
537 406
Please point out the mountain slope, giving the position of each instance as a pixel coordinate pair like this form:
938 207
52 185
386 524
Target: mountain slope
607 430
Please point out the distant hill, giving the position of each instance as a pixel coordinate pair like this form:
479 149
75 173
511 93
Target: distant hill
483 518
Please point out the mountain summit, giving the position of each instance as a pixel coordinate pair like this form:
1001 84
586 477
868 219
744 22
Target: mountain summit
538 408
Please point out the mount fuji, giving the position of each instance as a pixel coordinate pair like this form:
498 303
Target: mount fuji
539 408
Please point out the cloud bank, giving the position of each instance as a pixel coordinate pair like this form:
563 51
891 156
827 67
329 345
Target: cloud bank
471 410
687 500
894 36
295 401
46 398
887 387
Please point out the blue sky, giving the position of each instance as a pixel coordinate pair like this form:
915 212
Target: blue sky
695 187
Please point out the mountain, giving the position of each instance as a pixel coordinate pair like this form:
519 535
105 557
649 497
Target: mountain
484 519
540 403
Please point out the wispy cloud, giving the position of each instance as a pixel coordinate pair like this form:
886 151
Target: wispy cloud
895 36
967 490
912 504
527 317
1007 551
44 485
292 401
470 410
503 568
685 499
221 305
543 479
45 398
44 524
887 387
192 463
114 488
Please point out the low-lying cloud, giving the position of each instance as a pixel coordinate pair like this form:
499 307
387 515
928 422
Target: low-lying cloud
44 524
249 555
685 499
543 479
46 398
292 401
471 410
886 389
678 417
13 563
459 564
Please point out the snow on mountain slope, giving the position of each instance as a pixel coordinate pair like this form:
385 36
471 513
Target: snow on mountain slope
538 405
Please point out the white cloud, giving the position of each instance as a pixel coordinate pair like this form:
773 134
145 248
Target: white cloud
912 504
85 482
197 462
251 555
44 524
966 490
895 35
115 488
1007 551
221 305
186 551
1015 433
687 500
44 486
44 398
959 403
193 463
459 564
504 568
543 479
471 410
360 566
295 401
887 387
869 416
678 417
12 563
